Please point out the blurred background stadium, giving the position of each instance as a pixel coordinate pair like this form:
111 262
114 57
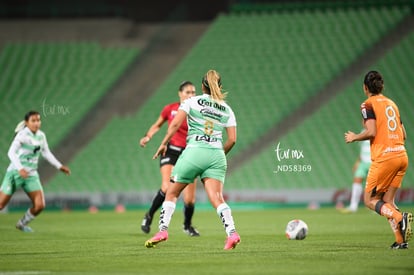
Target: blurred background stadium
101 71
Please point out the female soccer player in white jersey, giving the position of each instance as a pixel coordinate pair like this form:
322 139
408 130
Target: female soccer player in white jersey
29 142
207 116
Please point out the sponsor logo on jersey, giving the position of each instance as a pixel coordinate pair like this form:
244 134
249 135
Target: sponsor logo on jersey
211 113
204 102
206 138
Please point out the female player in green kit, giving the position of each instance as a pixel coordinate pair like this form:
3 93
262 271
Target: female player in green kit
28 144
204 156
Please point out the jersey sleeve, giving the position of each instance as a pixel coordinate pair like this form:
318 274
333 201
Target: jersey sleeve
49 156
232 120
367 111
185 105
12 153
165 112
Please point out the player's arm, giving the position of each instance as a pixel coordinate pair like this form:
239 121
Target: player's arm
172 129
231 139
231 131
152 131
404 132
370 126
47 154
369 132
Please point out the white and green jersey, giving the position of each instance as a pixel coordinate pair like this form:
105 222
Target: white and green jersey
25 150
206 120
365 153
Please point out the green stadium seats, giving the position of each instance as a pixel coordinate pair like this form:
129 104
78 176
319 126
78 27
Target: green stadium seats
321 135
60 80
271 63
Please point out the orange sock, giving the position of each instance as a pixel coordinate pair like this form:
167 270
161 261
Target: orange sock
395 228
387 210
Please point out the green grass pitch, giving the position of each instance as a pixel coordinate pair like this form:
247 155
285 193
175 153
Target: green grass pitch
78 242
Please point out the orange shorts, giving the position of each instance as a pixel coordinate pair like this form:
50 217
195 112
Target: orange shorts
386 173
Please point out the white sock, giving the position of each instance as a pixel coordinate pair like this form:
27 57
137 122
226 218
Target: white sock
28 217
224 212
355 196
167 210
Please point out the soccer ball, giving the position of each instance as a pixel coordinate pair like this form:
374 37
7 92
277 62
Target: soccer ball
296 230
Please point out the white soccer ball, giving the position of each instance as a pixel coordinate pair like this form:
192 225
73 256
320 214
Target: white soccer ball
296 230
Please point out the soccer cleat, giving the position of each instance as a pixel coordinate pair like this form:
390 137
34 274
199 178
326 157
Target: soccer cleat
399 246
405 226
191 231
232 241
161 236
146 223
24 228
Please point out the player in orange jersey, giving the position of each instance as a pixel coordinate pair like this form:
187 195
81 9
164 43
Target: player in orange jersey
384 128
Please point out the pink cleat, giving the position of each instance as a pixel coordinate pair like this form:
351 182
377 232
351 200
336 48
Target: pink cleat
161 236
232 241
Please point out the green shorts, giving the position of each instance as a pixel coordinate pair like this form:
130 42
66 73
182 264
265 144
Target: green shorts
362 170
12 181
202 162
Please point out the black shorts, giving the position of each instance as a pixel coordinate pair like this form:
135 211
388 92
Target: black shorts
171 155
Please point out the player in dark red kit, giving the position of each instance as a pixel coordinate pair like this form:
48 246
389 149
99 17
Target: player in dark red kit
167 162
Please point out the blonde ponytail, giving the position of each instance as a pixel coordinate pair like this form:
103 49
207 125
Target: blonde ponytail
212 81
20 126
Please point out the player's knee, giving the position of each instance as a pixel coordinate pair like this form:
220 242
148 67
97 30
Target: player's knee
3 203
189 199
164 185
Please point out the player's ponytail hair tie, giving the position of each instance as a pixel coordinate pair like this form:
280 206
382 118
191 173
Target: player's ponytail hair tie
205 82
212 83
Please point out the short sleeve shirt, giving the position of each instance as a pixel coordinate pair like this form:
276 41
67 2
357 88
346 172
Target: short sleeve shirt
206 120
389 139
168 113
